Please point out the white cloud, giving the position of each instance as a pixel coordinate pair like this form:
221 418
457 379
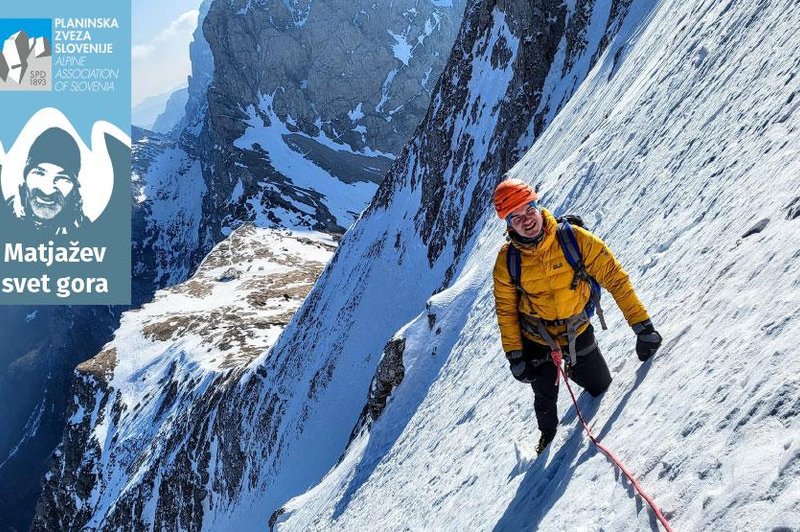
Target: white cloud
141 51
179 29
162 63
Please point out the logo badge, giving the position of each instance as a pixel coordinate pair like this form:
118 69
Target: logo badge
26 59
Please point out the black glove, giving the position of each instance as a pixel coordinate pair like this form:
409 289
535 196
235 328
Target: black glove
518 365
647 339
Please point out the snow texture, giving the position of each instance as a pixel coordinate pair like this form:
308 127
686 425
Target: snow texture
678 144
401 48
683 136
173 189
182 345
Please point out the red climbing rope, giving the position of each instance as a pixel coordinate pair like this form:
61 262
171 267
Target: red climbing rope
557 356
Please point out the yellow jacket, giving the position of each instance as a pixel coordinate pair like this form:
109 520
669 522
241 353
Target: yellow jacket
546 277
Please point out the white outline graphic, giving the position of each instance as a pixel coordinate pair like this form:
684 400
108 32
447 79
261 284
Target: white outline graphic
96 176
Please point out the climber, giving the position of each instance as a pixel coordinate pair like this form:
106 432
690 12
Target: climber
547 282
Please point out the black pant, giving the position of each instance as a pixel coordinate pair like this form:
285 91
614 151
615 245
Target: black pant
590 372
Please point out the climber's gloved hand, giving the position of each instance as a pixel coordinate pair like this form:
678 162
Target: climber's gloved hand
516 359
647 339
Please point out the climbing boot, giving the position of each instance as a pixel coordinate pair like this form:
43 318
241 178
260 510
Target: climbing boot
544 441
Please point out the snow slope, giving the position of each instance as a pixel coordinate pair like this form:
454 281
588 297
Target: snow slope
343 199
167 192
309 106
673 149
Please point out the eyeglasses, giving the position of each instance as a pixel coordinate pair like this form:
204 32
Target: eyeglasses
533 206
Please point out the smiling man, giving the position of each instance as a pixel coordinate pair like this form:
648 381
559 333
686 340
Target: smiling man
547 282
49 197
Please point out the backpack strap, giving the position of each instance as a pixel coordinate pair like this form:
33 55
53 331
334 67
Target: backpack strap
536 325
572 252
514 264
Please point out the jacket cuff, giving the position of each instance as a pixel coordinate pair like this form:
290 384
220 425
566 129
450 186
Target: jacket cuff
643 327
514 355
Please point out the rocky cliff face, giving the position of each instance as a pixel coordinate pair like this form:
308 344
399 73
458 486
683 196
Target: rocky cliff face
311 101
167 190
41 346
245 441
288 127
513 68
173 111
196 109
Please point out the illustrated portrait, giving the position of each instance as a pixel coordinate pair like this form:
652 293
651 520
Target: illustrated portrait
51 182
50 196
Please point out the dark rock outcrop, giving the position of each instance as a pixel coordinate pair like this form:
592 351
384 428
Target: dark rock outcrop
361 93
388 376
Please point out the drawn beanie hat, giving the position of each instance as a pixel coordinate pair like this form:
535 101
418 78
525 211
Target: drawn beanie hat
55 146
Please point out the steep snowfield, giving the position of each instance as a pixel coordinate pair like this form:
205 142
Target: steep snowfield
681 139
675 146
167 188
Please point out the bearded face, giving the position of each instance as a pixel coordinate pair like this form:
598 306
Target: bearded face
49 191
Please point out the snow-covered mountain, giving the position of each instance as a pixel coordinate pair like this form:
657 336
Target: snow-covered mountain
500 88
43 344
167 191
681 147
194 340
673 129
202 75
311 102
250 149
185 202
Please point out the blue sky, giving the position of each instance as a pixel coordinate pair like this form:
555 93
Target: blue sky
161 34
33 27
